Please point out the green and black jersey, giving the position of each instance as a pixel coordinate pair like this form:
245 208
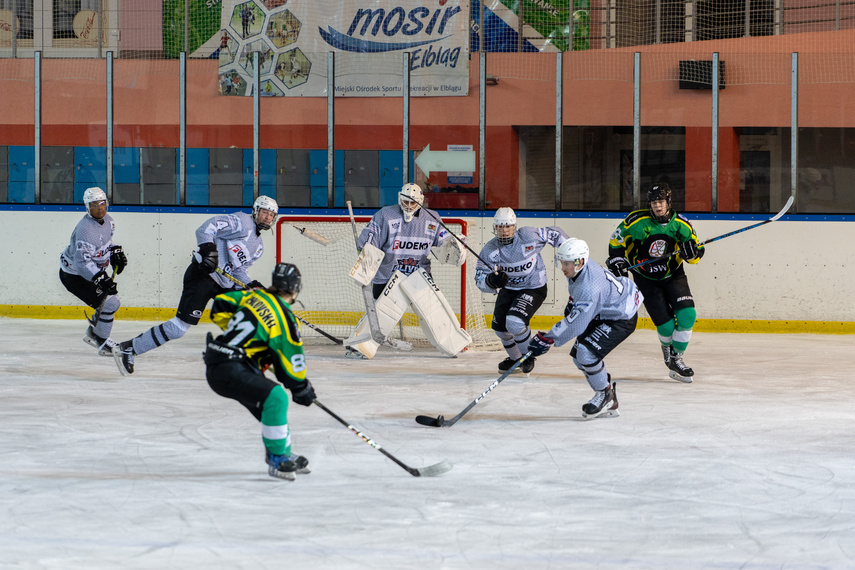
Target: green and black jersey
262 325
640 237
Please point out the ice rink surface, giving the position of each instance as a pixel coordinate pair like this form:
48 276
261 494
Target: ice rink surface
751 466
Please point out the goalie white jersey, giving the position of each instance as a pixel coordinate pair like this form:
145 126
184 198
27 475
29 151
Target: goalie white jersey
521 259
89 249
596 293
406 245
238 243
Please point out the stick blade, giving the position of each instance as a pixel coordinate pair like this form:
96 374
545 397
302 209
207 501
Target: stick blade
433 470
429 421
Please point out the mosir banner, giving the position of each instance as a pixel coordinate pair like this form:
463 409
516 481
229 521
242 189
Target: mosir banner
292 41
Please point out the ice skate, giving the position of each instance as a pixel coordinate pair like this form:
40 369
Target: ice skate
679 370
123 354
353 353
104 345
666 354
528 365
604 404
506 364
286 466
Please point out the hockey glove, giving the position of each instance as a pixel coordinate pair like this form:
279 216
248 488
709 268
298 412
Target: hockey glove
689 250
104 285
118 259
254 285
539 344
207 257
497 280
305 395
569 307
619 266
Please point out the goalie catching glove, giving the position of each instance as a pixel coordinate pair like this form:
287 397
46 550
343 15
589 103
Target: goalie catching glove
540 344
689 250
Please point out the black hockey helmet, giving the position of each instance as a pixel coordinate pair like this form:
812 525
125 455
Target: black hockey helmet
660 191
286 278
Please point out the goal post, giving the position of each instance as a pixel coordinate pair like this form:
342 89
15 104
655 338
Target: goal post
323 249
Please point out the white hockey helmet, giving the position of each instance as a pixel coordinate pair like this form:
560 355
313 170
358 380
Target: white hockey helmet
410 198
94 194
265 203
572 250
505 218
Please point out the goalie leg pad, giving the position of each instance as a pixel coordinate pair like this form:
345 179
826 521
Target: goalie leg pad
390 307
436 318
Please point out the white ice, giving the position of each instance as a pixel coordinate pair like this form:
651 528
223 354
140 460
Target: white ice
750 466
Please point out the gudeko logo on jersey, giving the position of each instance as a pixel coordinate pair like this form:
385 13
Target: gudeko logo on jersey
377 29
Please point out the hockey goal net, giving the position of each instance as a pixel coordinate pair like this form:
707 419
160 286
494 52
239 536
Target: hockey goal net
331 300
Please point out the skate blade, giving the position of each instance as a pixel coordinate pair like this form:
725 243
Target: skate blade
679 378
94 344
604 414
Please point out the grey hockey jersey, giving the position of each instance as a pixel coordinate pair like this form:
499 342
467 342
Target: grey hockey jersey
596 293
89 249
406 244
521 259
238 245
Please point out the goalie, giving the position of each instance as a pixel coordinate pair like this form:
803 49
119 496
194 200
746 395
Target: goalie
395 249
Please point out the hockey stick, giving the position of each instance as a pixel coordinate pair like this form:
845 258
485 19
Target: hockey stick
100 308
422 206
440 421
368 297
299 318
429 471
313 235
722 236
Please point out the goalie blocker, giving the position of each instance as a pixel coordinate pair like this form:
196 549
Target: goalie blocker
436 317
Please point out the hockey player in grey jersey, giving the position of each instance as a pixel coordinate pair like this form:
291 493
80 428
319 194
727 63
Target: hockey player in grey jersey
519 278
601 313
229 242
83 264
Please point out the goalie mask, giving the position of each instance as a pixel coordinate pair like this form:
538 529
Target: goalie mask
504 225
92 198
410 199
286 278
266 203
657 192
574 250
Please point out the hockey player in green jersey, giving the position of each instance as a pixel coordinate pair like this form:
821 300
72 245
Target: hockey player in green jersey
656 233
260 331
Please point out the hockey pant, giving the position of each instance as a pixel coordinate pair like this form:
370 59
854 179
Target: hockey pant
436 318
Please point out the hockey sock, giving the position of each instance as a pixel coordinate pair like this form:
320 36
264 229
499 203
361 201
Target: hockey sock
665 332
595 372
685 318
521 333
509 345
105 320
160 334
274 422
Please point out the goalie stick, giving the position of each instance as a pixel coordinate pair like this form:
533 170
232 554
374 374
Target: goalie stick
454 235
722 236
299 318
368 298
440 421
429 471
94 320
